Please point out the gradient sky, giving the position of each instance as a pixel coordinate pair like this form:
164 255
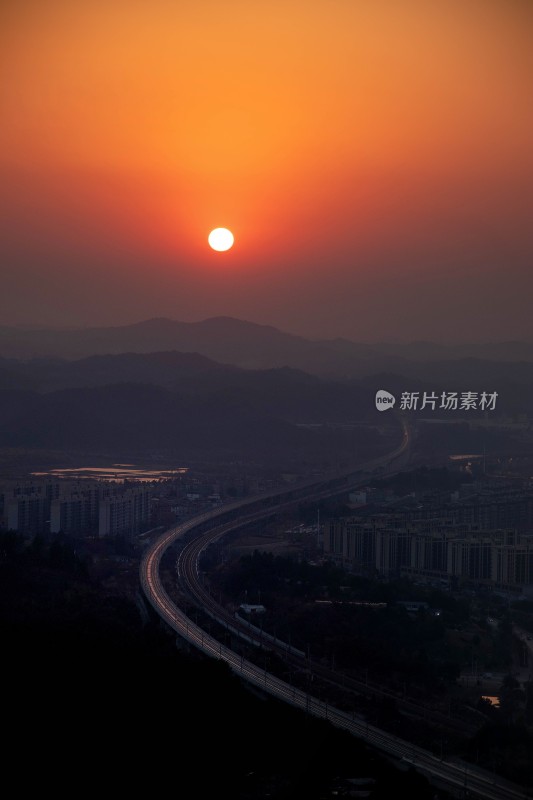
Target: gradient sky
373 158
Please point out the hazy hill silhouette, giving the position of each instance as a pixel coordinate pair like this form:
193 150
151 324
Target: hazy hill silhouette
183 401
143 418
285 392
247 344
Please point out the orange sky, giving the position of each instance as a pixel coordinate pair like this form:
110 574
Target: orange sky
372 157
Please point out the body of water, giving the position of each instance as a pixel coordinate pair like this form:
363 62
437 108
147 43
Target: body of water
116 472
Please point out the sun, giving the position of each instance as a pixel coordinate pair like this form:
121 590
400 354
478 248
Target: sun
220 239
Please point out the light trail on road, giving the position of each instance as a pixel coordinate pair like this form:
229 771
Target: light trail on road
455 775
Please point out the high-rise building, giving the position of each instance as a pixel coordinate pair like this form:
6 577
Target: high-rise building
28 513
438 547
75 513
127 513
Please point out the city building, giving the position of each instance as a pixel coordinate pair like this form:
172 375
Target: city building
127 513
431 548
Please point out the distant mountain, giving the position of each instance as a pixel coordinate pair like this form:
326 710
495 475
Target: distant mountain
188 404
248 345
146 419
425 351
285 393
214 338
168 369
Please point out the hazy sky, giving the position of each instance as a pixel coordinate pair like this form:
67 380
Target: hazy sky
373 159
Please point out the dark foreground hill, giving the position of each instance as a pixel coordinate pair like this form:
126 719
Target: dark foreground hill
143 419
100 704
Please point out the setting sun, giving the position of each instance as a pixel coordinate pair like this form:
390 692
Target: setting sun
220 239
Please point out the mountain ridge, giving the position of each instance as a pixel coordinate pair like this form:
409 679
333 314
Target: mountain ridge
248 345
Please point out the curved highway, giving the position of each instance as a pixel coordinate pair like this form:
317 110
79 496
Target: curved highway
456 776
188 572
